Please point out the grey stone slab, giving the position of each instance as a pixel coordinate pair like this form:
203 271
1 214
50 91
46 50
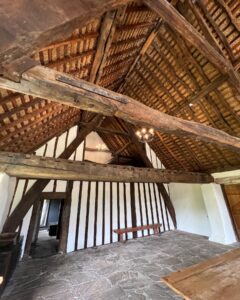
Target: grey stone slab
118 271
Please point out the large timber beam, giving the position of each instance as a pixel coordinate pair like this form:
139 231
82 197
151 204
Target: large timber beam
170 15
34 193
29 25
31 166
56 86
228 180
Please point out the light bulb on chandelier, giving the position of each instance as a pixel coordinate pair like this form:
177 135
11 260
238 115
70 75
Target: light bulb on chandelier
145 135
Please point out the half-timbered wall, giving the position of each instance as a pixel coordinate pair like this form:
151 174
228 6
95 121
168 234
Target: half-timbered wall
100 207
97 207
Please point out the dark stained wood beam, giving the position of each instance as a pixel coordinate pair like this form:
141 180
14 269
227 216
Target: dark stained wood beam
122 149
204 91
144 48
170 15
204 27
101 44
53 195
108 34
106 130
56 86
234 19
41 26
34 193
65 219
31 166
34 217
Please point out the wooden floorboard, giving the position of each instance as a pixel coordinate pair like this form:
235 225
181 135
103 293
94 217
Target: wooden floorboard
216 278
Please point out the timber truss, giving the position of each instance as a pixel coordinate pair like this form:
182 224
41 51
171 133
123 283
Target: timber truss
172 65
112 66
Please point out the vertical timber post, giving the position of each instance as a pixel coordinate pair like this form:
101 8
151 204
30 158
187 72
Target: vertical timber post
133 208
64 226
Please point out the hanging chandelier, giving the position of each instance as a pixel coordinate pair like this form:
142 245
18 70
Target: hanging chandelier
145 135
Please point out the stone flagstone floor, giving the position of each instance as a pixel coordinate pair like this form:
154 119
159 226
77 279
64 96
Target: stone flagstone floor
130 270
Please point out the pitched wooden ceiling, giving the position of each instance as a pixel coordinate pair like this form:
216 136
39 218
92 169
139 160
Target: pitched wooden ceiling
132 51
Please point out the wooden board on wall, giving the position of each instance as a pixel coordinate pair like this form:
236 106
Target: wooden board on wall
215 279
233 198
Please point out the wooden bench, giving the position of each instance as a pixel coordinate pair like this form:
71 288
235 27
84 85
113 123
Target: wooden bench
122 231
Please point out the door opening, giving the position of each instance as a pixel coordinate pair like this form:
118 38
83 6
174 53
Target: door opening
48 233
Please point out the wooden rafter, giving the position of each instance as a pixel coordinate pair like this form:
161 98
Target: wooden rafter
52 26
148 41
124 147
205 90
235 21
116 17
169 14
144 48
55 86
106 26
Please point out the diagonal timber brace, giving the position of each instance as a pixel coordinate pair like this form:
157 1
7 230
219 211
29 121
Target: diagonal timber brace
35 191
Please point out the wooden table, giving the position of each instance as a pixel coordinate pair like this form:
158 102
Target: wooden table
215 279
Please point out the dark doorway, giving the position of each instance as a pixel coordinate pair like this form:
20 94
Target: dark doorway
47 237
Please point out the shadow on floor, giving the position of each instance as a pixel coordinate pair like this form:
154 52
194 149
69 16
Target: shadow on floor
45 246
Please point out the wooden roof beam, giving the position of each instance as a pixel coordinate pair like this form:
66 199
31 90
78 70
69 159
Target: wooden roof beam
228 180
21 38
59 87
34 192
107 130
124 147
108 30
102 40
86 36
144 48
235 21
204 91
171 16
31 166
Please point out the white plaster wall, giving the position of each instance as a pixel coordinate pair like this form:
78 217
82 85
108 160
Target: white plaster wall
226 174
221 227
191 212
188 202
4 201
92 140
